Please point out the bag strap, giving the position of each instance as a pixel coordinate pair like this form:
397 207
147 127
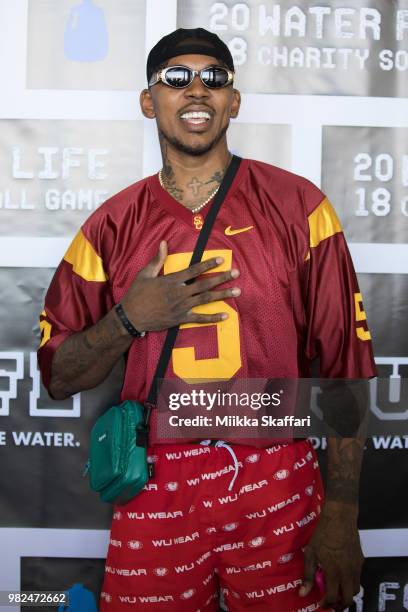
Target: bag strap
196 257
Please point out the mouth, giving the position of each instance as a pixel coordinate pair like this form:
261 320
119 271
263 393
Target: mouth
196 118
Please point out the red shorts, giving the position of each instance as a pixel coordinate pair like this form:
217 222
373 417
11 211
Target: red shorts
188 537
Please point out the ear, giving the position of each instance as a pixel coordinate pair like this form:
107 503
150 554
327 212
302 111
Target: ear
236 103
146 104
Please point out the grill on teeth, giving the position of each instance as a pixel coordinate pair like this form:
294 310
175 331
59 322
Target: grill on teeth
196 115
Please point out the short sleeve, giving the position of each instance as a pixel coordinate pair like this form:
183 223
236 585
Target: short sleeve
337 326
78 297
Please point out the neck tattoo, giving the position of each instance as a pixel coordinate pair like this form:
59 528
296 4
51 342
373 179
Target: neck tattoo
196 209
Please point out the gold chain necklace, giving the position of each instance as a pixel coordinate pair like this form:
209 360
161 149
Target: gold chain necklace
200 206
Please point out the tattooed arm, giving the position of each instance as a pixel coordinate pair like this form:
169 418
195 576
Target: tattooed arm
335 544
85 359
343 472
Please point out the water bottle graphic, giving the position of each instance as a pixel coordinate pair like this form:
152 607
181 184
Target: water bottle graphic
80 600
86 37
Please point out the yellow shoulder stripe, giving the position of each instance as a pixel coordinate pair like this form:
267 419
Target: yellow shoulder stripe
84 259
45 329
323 223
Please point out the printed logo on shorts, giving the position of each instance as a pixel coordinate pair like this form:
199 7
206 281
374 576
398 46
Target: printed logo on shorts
150 486
211 530
161 571
152 458
192 508
209 600
117 515
253 458
116 543
230 526
275 449
286 558
187 594
255 542
281 474
171 486
235 594
309 490
135 544
106 597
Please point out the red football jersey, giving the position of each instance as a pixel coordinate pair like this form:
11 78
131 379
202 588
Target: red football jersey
299 293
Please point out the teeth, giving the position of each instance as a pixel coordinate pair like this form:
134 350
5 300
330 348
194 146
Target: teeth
196 115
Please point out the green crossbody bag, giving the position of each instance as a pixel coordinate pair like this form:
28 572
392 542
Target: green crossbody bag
117 466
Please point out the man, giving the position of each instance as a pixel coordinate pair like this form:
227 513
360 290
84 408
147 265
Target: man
276 288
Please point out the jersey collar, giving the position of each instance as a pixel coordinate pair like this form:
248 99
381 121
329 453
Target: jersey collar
178 210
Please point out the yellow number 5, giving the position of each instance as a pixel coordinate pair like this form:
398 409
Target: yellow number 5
362 334
228 362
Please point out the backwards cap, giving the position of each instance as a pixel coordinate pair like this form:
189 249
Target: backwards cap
186 41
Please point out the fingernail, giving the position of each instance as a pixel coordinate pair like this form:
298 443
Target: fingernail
302 591
219 260
236 291
234 273
224 316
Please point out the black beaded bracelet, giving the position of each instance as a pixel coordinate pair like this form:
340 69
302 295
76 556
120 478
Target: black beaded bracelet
130 328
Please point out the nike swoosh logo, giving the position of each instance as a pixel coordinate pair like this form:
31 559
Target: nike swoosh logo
231 232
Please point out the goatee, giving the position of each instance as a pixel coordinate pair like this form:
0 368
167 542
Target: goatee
196 150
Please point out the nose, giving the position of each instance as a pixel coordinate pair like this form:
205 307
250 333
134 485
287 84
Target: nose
196 88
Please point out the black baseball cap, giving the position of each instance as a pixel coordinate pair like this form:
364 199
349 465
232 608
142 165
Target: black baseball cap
185 41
